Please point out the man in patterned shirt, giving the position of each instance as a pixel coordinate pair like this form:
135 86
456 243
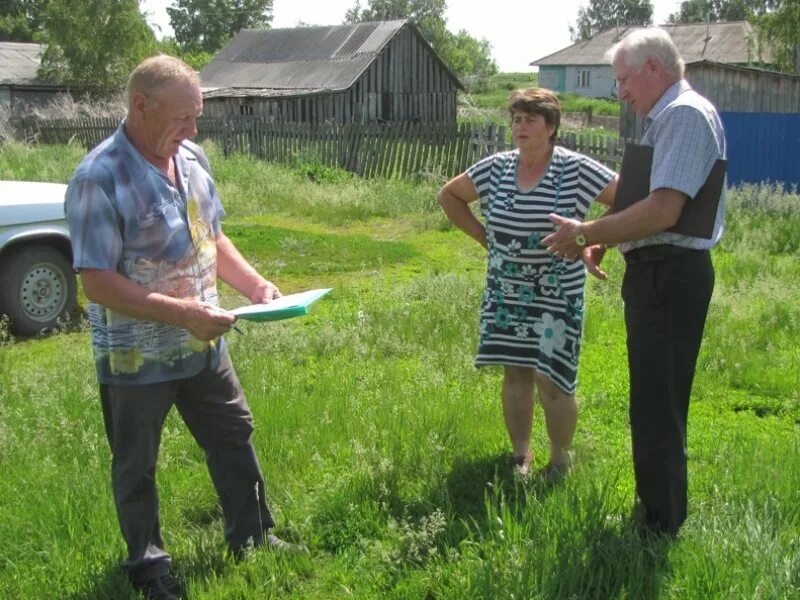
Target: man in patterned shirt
669 277
144 217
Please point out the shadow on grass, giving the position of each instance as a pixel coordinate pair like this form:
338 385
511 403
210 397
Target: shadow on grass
579 553
471 481
301 253
615 565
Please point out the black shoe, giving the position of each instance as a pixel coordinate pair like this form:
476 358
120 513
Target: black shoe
160 587
650 529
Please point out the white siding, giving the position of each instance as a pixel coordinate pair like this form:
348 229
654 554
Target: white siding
548 79
601 81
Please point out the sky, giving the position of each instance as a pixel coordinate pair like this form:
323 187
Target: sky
520 31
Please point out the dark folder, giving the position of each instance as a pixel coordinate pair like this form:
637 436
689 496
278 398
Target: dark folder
699 213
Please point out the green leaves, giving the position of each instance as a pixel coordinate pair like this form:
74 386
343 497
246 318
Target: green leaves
207 25
600 15
94 45
464 54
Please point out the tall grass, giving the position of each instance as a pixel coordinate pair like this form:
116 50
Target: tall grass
384 448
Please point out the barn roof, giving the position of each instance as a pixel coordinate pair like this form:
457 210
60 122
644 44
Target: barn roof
730 43
19 63
300 60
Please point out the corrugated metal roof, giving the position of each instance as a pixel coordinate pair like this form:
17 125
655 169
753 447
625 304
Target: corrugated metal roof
730 43
298 61
246 92
745 69
19 62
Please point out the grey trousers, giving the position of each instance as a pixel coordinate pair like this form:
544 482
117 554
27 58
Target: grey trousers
214 409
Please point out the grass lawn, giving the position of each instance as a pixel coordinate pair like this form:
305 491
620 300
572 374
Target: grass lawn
489 103
384 449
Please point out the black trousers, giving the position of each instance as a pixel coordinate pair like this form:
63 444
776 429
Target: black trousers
214 409
666 291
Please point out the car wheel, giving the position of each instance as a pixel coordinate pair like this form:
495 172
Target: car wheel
37 288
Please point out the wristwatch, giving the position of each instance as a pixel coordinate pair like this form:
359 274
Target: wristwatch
580 239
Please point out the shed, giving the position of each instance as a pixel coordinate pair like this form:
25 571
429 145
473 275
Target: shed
19 84
583 69
366 72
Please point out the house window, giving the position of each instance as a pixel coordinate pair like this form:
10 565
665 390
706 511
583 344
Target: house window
584 78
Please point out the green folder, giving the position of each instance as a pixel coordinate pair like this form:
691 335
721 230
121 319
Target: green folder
285 307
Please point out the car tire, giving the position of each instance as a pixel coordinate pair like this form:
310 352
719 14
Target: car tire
38 289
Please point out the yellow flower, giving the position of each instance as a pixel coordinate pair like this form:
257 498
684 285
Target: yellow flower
125 361
196 345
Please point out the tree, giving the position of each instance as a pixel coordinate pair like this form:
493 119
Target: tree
21 20
464 54
94 45
697 11
207 25
196 60
426 15
781 28
467 55
600 15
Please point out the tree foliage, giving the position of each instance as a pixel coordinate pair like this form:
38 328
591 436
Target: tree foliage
196 60
207 25
21 20
781 28
94 45
427 15
599 15
697 11
463 53
468 56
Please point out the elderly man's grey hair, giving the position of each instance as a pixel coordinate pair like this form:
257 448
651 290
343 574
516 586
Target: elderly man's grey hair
157 72
642 44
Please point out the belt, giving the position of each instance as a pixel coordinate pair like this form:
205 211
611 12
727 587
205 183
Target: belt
655 253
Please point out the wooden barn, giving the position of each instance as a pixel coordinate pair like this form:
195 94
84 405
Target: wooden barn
760 111
363 73
20 87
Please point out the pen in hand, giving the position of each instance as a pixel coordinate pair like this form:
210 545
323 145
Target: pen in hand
237 330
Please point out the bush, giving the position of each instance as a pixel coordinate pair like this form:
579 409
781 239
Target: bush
762 218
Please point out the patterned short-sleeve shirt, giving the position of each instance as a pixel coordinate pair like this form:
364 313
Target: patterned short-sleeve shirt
126 216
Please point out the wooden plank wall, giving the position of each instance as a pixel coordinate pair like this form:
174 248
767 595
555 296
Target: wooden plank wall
730 89
389 150
406 82
746 90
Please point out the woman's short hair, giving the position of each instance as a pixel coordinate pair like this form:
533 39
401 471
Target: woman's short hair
537 101
157 72
643 44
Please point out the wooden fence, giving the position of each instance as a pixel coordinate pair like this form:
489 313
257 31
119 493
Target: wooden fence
390 150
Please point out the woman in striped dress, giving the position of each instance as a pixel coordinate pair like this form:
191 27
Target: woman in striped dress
531 318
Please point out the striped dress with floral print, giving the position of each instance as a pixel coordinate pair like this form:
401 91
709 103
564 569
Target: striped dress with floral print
532 309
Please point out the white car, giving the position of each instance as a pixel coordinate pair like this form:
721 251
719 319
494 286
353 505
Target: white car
38 287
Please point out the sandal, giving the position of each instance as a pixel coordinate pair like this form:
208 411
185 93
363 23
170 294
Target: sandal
522 464
553 472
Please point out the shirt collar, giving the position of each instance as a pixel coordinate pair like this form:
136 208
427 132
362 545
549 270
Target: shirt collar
140 165
137 163
673 91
